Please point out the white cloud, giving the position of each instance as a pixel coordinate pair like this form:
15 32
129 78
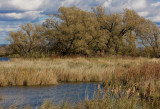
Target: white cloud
30 15
146 8
69 2
23 4
22 9
107 3
7 29
155 4
155 18
143 13
137 4
26 4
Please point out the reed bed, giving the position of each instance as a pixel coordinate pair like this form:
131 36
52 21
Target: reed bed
48 71
143 80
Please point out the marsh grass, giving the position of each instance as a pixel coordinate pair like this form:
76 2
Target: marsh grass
144 79
48 71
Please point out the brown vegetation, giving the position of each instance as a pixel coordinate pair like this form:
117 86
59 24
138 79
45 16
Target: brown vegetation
50 71
143 79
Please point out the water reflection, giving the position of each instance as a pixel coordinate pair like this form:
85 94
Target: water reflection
34 96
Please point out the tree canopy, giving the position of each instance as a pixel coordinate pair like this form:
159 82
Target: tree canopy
73 31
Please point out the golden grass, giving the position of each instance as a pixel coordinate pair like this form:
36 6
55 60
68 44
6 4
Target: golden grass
52 71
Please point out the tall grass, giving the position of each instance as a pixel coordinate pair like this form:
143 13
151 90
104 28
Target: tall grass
52 71
144 79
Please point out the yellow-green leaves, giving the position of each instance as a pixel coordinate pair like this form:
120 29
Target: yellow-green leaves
27 39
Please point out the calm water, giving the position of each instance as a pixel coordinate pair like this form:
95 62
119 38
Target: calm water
4 59
34 96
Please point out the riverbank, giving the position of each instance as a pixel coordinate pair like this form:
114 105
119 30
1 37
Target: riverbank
139 77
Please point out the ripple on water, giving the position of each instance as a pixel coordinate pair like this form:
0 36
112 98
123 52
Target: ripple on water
35 96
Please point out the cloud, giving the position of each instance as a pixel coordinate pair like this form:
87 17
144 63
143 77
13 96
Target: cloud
145 8
16 12
32 9
155 18
4 27
143 13
7 29
28 15
24 5
22 9
155 4
70 2
107 3
137 4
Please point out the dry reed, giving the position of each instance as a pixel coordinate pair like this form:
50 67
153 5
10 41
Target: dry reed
52 71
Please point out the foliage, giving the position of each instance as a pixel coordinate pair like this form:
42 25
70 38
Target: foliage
26 40
73 31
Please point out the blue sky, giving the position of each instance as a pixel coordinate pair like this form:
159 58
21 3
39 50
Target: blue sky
16 12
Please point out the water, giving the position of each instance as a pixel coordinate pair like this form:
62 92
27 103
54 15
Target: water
35 96
4 59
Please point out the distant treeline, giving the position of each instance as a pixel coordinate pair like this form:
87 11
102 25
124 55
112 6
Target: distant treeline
73 31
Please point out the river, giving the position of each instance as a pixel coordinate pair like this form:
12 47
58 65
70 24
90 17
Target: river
4 59
35 96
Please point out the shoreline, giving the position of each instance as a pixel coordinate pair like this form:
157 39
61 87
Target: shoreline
139 77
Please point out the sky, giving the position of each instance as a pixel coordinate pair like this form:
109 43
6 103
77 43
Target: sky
16 12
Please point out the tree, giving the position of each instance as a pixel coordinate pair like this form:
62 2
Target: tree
76 33
149 35
26 40
73 31
117 26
